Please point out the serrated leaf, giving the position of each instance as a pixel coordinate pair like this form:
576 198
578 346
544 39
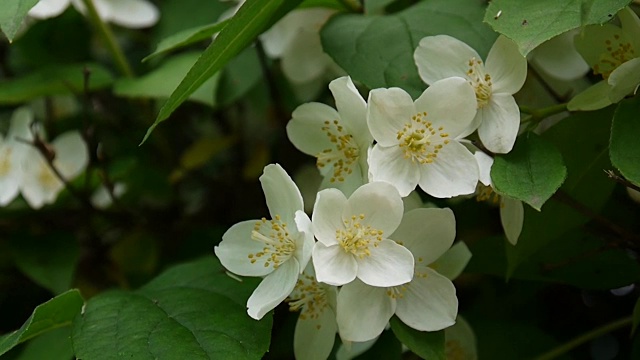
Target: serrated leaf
191 311
186 38
530 23
624 148
252 18
426 344
53 80
12 13
53 314
161 82
354 41
47 260
531 172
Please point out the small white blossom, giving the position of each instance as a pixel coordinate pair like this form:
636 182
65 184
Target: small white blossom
338 139
278 249
418 142
12 152
127 13
352 237
494 82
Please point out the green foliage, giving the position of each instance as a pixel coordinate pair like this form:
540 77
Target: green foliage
12 13
531 23
52 345
531 172
190 311
624 149
55 313
427 345
250 20
354 41
186 38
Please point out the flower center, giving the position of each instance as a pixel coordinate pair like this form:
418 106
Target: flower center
342 155
356 238
420 141
309 297
480 81
486 193
5 161
618 52
278 244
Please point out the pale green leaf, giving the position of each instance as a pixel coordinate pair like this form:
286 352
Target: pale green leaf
186 38
12 13
624 148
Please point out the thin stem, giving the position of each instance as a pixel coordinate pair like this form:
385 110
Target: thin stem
619 179
107 35
577 341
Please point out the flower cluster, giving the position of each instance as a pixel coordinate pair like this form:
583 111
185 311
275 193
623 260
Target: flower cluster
362 258
127 13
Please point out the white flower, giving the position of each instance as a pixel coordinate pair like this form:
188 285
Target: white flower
12 153
498 117
278 249
316 327
511 210
352 237
427 303
418 143
559 58
614 53
127 13
338 139
102 198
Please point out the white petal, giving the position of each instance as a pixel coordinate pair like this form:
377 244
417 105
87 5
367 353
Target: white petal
429 303
333 265
363 311
351 181
40 185
389 164
427 233
327 215
273 289
452 263
48 8
388 265
442 56
593 98
304 241
132 14
352 108
10 172
454 172
450 103
485 162
282 194
512 218
305 127
500 123
630 23
235 248
313 338
379 202
624 80
304 60
507 67
20 129
559 58
592 41
72 154
388 111
354 349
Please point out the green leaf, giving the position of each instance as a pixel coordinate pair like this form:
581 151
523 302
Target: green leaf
531 172
387 347
354 41
53 345
53 314
530 23
426 344
240 75
624 148
48 260
161 82
252 18
186 38
12 13
191 311
53 80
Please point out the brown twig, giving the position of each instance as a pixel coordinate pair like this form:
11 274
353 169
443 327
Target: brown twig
621 180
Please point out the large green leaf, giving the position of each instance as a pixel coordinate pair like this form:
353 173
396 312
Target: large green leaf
531 172
53 345
624 148
186 38
53 80
378 50
427 344
192 311
530 23
12 13
161 82
53 314
48 260
250 20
